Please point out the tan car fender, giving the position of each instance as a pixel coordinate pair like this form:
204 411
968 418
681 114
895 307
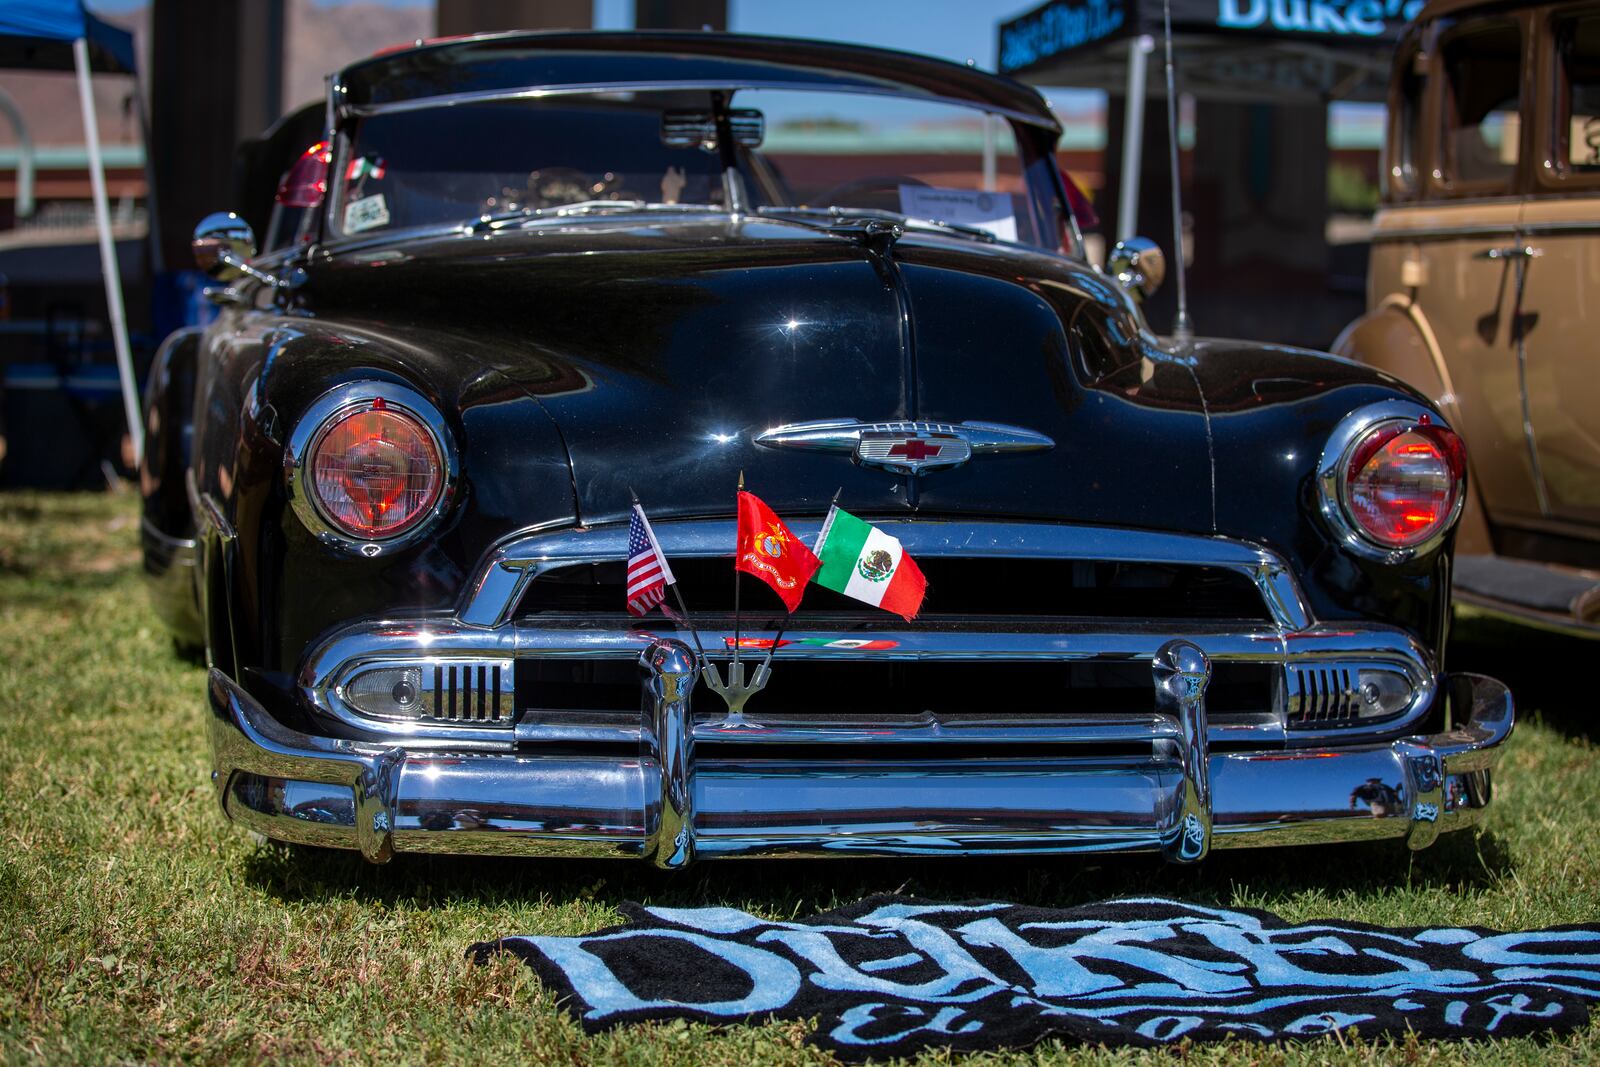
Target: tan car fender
1396 337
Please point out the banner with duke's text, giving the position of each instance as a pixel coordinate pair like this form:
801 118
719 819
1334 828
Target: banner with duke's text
891 975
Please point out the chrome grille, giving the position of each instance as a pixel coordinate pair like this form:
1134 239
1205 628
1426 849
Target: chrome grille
1323 694
466 691
959 588
1024 622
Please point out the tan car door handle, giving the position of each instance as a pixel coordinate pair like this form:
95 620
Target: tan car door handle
1510 252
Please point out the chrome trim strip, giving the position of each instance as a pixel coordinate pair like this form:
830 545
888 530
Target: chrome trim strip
539 92
206 510
1434 233
1467 603
1023 731
298 787
501 578
175 551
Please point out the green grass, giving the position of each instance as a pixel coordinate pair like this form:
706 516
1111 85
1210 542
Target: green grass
136 925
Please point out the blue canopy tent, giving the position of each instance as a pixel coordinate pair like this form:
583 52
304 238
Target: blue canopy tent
62 35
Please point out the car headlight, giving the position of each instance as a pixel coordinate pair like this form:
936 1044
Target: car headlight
1393 480
370 465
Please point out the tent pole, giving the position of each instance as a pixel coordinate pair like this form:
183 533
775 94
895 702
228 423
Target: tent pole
1133 137
108 250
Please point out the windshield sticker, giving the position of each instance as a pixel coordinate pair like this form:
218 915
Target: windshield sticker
961 207
367 213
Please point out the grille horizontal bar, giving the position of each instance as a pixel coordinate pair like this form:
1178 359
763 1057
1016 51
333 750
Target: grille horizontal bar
495 593
957 587
1028 665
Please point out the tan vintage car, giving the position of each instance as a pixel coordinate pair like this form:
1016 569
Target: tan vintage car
1484 289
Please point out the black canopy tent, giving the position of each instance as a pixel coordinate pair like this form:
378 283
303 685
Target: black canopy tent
1247 51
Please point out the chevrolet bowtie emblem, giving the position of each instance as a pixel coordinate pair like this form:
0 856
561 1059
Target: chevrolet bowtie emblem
905 447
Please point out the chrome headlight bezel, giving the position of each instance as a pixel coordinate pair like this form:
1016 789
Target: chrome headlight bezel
1333 469
325 412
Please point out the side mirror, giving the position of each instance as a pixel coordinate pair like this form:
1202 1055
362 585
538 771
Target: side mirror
223 244
1139 266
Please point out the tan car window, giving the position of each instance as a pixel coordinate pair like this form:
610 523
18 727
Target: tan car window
1483 78
1579 102
1403 143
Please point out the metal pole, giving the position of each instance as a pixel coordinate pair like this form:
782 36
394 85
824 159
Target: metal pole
24 197
108 251
1133 138
737 631
1182 328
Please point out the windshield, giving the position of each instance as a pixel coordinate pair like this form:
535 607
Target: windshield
803 153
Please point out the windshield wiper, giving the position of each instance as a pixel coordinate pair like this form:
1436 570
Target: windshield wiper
526 216
910 222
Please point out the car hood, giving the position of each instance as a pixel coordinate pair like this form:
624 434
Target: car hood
662 349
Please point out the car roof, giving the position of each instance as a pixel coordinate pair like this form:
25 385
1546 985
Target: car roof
506 65
1436 8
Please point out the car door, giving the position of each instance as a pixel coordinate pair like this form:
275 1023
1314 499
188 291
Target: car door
1449 248
1561 263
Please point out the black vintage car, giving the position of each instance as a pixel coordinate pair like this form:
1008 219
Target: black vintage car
1181 594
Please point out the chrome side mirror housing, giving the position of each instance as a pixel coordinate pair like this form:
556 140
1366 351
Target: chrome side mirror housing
223 244
1139 266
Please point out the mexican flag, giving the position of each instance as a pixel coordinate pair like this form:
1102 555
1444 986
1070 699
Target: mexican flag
861 561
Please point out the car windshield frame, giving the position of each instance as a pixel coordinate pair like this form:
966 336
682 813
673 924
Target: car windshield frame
1043 196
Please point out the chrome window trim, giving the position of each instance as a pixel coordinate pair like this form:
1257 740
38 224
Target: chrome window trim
493 594
315 421
338 245
539 92
1331 469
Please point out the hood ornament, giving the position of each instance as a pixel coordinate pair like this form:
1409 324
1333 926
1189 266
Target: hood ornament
906 447
737 692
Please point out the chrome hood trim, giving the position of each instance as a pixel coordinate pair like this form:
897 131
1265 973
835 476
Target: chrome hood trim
905 447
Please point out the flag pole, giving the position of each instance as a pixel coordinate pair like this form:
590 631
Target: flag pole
766 664
736 620
676 592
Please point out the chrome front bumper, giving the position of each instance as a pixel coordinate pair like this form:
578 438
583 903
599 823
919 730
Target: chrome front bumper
667 803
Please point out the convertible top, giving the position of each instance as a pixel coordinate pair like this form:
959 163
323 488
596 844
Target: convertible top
505 65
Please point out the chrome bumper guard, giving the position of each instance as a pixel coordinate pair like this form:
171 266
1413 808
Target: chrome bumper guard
664 803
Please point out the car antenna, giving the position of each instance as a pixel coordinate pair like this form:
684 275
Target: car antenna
1182 328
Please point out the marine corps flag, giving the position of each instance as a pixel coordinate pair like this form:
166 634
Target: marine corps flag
768 549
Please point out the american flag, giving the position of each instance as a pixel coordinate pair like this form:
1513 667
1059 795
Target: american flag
648 573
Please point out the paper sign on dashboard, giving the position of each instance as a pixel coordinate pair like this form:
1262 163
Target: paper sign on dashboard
367 213
961 207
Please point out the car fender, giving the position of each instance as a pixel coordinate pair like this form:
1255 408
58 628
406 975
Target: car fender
1396 337
167 523
168 429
